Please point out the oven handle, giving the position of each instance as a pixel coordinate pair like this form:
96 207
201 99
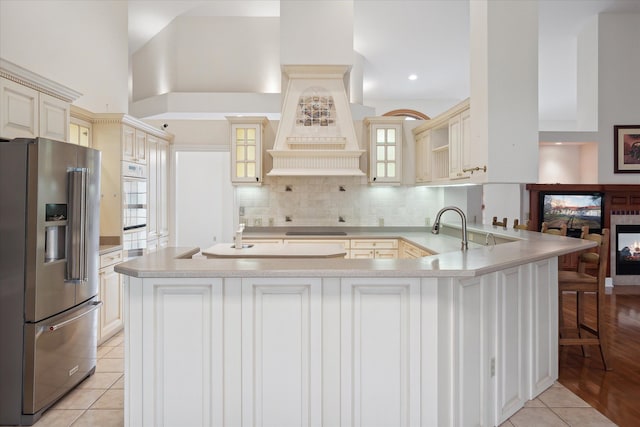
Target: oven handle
94 306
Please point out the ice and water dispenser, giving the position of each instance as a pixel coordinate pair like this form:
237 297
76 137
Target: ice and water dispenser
55 232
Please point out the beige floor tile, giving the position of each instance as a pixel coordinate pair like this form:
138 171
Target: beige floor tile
560 397
536 417
102 350
535 403
115 353
111 399
101 417
101 380
115 341
58 417
79 399
110 365
119 384
583 417
506 424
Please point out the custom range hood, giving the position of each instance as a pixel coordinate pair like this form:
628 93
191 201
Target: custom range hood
316 136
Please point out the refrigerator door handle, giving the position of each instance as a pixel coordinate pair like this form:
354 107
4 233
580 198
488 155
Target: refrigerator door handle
76 258
93 306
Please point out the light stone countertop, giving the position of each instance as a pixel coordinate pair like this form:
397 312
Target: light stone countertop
526 247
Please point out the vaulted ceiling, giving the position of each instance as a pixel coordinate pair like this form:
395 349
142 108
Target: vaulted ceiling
428 38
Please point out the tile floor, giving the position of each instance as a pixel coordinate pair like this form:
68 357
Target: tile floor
99 401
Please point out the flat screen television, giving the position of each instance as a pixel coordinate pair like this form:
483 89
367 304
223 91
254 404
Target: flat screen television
576 209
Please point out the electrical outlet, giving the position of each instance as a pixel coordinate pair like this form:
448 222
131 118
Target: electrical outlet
380 222
427 221
271 222
241 211
257 222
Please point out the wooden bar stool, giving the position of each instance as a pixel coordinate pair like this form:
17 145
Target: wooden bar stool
518 226
580 282
562 231
498 223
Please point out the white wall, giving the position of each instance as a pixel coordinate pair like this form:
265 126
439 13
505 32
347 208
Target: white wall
316 32
210 54
559 164
79 44
619 88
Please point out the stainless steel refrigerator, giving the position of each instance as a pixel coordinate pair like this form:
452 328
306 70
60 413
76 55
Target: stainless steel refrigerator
49 237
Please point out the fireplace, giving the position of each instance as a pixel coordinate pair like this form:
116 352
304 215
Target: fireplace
625 247
628 250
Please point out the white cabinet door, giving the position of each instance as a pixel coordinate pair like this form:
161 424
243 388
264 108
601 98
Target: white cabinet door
152 188
380 352
163 188
281 352
111 318
140 146
459 145
423 156
128 143
18 111
54 118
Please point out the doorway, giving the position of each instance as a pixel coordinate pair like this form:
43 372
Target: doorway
204 198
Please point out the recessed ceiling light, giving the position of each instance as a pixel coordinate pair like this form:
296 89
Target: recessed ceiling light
558 143
413 77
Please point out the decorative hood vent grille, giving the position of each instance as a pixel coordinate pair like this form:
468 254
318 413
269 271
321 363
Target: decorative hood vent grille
316 134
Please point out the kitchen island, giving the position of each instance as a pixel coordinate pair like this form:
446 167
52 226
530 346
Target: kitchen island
455 338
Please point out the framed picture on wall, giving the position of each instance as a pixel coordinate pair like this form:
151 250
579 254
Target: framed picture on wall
626 148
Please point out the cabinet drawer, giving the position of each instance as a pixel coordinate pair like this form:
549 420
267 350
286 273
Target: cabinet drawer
386 254
374 244
110 258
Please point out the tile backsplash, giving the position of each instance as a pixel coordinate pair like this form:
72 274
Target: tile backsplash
335 201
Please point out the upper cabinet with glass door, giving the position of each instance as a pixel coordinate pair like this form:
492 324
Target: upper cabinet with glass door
385 147
246 149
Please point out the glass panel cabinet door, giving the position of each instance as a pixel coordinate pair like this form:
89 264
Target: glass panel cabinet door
246 149
385 148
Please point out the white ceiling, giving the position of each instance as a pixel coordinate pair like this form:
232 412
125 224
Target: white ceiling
429 38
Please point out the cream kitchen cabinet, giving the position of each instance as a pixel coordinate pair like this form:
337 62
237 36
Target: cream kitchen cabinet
157 189
122 138
246 149
407 250
374 248
443 149
423 157
111 318
385 148
28 113
459 149
134 145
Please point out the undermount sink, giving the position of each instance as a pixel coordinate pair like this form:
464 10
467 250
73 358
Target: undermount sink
315 233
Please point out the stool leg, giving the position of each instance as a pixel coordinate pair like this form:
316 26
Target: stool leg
600 300
580 320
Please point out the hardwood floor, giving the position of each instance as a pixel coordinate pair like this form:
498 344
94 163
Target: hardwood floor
615 393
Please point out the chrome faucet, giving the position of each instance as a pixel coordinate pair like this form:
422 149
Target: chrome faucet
435 229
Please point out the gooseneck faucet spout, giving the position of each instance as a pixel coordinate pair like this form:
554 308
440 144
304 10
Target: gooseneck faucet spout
435 229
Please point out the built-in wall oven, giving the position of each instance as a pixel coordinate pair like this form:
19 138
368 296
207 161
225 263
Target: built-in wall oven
134 201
